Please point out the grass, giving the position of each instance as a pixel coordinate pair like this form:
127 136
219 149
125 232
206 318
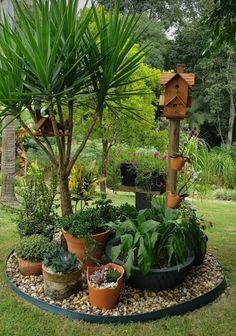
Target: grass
18 318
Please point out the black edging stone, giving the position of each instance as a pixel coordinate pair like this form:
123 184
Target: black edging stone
175 310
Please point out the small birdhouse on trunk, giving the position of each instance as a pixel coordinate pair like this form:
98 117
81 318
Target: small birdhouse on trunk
44 127
177 87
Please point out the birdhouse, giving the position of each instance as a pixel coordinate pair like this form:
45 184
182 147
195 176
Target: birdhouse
44 127
177 88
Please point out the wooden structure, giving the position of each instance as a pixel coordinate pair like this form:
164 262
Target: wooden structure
43 126
176 99
177 88
143 198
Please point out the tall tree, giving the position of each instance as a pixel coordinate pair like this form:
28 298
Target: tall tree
221 21
8 160
51 60
171 13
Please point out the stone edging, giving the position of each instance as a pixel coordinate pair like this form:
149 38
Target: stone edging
178 309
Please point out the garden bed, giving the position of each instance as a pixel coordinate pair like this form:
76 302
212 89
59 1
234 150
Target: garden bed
202 286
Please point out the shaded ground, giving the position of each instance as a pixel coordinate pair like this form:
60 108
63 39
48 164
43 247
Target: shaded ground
22 319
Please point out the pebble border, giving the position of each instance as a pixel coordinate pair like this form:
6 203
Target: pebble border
177 309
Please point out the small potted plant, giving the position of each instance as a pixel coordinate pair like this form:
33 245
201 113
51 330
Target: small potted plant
61 273
178 160
128 171
151 171
105 285
85 231
174 199
30 253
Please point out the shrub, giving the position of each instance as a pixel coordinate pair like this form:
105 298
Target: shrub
90 220
225 194
38 204
33 248
60 261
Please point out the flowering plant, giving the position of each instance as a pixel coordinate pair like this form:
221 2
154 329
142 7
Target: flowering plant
190 177
185 147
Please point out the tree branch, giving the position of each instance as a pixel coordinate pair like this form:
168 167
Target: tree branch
56 133
69 140
83 143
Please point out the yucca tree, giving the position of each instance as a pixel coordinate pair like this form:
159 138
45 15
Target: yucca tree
55 61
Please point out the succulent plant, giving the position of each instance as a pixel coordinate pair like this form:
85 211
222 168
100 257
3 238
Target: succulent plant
104 275
59 261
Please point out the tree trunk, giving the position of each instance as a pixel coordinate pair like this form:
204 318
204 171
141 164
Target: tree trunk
105 150
231 119
8 165
66 204
8 135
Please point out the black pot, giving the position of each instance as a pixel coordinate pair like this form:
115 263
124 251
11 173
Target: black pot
128 174
155 182
158 278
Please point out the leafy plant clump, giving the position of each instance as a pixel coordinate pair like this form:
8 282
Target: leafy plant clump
158 237
91 221
38 204
59 261
33 248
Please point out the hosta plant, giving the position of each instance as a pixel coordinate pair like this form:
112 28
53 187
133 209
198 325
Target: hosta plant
158 237
137 240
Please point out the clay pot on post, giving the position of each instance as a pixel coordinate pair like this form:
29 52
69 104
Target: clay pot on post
177 162
28 267
105 298
173 200
60 286
78 245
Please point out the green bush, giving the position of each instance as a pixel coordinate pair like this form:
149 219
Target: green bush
90 220
38 204
225 194
33 248
60 261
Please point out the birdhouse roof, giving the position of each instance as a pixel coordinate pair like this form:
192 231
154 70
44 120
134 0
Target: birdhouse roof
40 123
173 98
167 77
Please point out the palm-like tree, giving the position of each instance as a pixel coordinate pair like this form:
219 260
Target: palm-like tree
53 58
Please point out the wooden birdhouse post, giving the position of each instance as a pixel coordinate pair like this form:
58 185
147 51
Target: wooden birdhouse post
177 88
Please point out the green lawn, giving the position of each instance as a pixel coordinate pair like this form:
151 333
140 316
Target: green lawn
22 319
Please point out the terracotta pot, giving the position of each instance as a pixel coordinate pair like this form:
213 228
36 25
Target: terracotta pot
28 267
60 286
105 298
77 246
173 200
177 163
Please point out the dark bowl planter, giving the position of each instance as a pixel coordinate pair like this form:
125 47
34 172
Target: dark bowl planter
158 278
200 254
128 174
